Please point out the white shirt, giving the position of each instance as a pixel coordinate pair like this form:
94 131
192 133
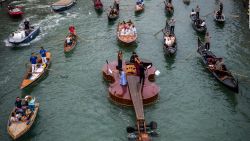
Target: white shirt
134 30
68 40
193 13
203 24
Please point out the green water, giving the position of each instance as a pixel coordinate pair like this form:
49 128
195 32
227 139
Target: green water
193 106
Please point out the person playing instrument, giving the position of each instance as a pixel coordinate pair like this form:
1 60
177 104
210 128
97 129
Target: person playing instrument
172 25
197 10
33 60
43 55
133 56
207 41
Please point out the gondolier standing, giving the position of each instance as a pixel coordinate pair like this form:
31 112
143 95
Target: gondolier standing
116 4
172 25
221 7
33 60
207 41
197 10
43 55
119 59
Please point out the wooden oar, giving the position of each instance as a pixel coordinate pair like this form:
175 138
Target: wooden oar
158 32
208 14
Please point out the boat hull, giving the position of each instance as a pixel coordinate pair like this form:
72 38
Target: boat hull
60 8
28 38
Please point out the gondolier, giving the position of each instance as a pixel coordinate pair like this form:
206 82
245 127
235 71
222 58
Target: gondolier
43 56
197 10
221 7
172 25
116 4
33 60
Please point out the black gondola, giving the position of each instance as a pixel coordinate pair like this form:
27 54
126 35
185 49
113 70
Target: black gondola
224 75
169 49
197 26
113 16
219 18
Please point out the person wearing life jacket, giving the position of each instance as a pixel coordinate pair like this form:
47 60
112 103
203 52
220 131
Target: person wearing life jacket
33 60
43 55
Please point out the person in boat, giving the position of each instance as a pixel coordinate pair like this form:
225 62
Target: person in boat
219 65
119 60
170 1
72 31
31 103
137 64
10 7
133 29
169 6
43 56
129 22
68 40
203 23
193 12
221 7
33 60
172 25
26 24
13 117
18 103
142 73
207 41
116 4
98 3
197 10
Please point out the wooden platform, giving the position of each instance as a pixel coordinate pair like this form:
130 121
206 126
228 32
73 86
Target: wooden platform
135 93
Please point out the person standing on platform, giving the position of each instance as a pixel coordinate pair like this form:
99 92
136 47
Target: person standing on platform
119 60
142 73
43 55
172 25
197 10
33 60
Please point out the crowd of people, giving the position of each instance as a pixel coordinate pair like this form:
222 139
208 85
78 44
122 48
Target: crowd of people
24 109
127 28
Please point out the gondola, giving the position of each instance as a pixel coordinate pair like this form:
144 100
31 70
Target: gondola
19 128
139 8
172 47
15 11
69 48
113 16
197 27
63 5
98 5
224 76
41 70
169 8
219 19
24 36
125 38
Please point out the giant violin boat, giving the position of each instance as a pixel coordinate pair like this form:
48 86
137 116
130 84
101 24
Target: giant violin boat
134 94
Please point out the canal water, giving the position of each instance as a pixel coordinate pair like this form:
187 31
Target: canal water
193 106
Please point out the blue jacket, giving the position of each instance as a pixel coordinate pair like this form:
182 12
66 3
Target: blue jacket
43 52
33 59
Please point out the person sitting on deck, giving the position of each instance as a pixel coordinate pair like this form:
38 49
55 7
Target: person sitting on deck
18 103
33 60
13 117
68 41
26 24
43 56
219 65
193 12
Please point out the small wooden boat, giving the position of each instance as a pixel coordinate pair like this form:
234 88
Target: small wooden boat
63 5
169 46
98 5
169 8
219 19
41 70
113 15
139 8
69 48
125 38
19 128
197 26
15 11
24 36
224 76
